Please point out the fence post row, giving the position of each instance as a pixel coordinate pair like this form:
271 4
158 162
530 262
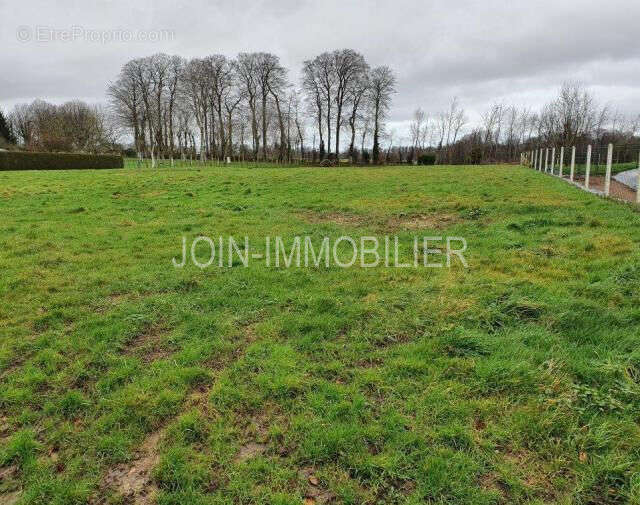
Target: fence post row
534 159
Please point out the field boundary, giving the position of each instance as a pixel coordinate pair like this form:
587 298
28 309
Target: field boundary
598 178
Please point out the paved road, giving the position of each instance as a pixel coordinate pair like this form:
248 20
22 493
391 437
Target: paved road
630 178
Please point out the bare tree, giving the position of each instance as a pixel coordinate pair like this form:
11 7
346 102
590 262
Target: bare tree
357 95
247 71
311 84
382 88
350 68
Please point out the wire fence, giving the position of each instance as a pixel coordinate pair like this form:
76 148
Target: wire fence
612 171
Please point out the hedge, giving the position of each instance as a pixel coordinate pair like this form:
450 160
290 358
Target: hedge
18 160
427 159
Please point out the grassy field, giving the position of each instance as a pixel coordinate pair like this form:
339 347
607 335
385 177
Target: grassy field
126 380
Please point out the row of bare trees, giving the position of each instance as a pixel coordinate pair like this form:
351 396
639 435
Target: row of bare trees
573 117
246 108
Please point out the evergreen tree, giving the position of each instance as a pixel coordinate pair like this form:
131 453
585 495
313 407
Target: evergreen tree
6 131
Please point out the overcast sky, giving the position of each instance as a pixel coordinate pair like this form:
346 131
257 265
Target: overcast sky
514 51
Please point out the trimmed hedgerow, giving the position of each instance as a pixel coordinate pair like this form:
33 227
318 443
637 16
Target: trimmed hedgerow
427 159
17 160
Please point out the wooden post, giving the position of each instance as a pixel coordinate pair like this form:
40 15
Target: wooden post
553 158
546 160
535 159
638 182
607 175
573 163
588 168
540 159
561 162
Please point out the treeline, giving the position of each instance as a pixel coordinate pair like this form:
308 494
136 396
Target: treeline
573 118
246 108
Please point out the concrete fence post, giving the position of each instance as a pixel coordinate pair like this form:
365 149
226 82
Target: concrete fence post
540 158
535 159
588 167
638 182
573 163
546 160
607 175
561 162
553 158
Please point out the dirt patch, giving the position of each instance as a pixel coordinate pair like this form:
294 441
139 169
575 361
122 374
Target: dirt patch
423 221
616 189
10 498
249 451
370 362
492 482
133 481
251 334
149 345
315 492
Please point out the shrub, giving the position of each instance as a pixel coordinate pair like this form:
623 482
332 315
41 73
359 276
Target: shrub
427 159
14 160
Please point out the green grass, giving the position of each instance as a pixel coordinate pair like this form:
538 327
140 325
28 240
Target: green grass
516 380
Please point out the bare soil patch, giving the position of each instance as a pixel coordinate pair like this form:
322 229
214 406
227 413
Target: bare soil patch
249 451
149 345
616 189
10 498
492 482
133 481
315 492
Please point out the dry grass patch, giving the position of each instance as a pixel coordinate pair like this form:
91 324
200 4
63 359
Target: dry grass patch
339 218
423 221
150 344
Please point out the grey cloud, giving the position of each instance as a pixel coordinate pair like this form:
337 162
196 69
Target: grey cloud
481 51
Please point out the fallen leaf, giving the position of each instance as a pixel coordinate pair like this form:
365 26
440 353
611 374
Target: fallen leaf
583 456
314 480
